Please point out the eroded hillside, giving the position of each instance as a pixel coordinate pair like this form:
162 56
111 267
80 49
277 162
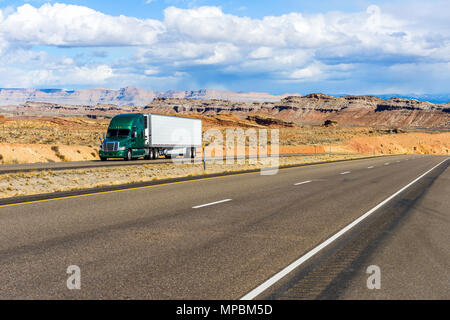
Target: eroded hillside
316 108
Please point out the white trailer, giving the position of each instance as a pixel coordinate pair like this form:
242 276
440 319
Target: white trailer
171 136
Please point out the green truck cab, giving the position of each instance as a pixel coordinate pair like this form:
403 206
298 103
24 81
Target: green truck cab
134 135
124 138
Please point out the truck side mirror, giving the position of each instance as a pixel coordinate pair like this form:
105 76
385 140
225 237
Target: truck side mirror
133 134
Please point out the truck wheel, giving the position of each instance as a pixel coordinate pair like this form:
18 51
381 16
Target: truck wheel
102 158
149 155
155 154
129 155
193 152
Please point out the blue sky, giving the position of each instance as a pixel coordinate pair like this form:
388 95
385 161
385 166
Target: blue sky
354 47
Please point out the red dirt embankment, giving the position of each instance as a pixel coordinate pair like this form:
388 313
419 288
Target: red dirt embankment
411 143
31 153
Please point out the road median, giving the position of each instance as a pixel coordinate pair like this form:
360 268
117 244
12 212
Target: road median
26 187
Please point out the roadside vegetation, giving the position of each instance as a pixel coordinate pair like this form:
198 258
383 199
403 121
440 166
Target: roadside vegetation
47 181
55 139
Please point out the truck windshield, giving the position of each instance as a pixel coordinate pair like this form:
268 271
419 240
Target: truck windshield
117 132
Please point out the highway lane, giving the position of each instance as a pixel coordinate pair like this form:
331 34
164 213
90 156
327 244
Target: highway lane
413 252
184 240
407 240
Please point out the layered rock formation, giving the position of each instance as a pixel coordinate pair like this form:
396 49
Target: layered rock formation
316 108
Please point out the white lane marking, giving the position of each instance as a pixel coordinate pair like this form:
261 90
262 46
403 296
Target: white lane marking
371 167
211 203
304 182
346 172
268 283
397 161
386 164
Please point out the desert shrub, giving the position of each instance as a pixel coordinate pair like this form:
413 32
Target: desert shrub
329 123
59 155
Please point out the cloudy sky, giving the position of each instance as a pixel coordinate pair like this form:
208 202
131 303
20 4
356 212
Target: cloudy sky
354 46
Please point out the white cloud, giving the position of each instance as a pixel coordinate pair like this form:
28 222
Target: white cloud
295 47
370 30
261 53
70 25
221 53
55 75
151 71
310 72
199 30
211 24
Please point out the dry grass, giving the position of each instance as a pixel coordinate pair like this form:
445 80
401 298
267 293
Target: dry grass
55 131
37 182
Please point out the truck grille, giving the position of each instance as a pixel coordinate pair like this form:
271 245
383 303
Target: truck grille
111 146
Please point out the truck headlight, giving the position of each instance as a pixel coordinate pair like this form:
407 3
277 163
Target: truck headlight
122 148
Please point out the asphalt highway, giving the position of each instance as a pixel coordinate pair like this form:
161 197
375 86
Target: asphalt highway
225 237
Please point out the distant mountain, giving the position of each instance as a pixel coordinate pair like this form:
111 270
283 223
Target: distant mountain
433 98
126 96
315 108
135 96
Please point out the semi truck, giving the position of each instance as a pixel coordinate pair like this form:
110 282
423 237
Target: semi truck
135 135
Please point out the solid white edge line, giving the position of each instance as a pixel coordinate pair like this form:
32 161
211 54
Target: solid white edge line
304 182
268 283
371 167
346 172
211 203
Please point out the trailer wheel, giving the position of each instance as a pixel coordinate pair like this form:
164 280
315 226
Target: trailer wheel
149 155
129 155
193 152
